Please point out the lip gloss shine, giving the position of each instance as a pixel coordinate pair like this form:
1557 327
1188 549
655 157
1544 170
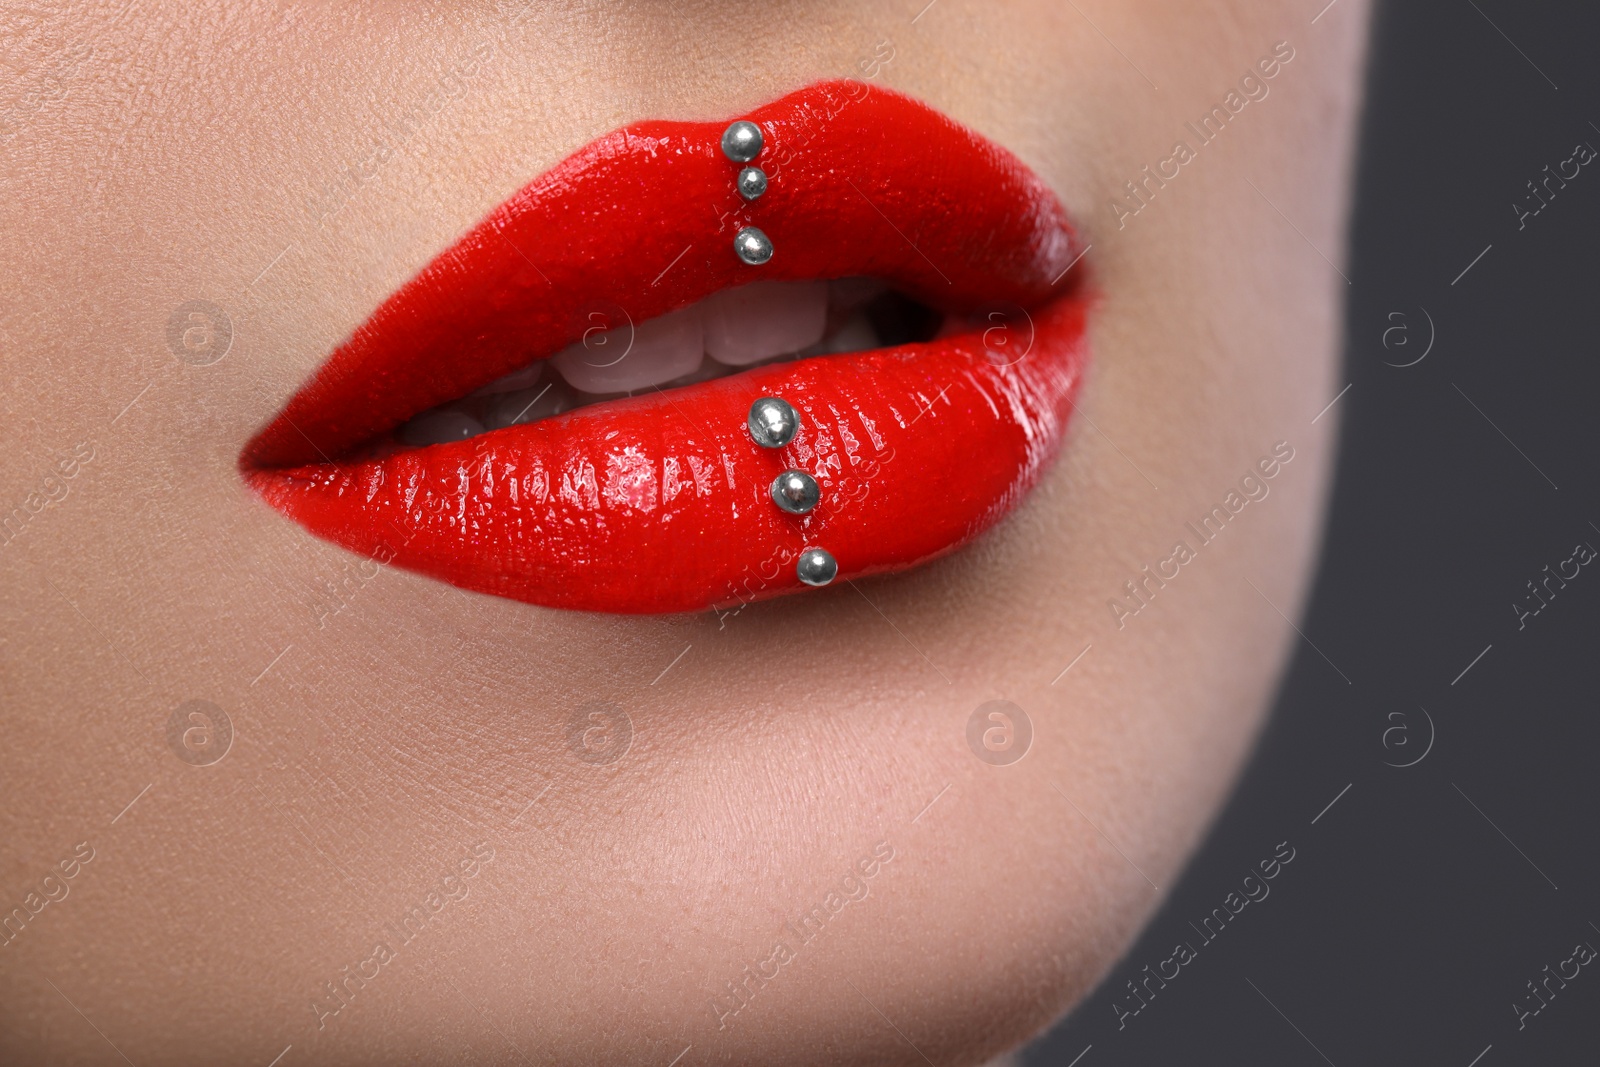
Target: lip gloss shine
661 502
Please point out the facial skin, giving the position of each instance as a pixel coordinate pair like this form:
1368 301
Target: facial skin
385 725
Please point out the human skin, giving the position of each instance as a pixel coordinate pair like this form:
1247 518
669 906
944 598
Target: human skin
386 723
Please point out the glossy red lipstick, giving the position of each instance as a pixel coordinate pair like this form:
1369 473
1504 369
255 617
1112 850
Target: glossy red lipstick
660 502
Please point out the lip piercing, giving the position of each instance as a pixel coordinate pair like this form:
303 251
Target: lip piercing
772 422
753 246
741 142
795 492
816 566
752 182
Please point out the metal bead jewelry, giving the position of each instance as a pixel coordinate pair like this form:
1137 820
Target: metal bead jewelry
795 492
772 422
753 246
741 142
752 182
816 566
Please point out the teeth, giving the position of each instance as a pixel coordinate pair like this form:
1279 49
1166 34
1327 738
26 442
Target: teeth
662 349
439 426
856 335
848 294
763 320
737 328
525 378
530 405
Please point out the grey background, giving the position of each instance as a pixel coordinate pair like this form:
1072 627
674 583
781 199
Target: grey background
1420 904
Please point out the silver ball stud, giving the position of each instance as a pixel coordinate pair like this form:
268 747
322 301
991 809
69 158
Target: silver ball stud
816 566
752 182
741 142
772 422
795 492
753 246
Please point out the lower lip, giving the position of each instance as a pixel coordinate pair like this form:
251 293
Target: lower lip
661 502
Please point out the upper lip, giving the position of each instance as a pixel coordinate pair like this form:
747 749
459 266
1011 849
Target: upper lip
520 282
643 219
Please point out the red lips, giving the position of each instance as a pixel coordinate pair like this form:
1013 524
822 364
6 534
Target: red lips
660 502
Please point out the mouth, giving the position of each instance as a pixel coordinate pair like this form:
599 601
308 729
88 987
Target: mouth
655 380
